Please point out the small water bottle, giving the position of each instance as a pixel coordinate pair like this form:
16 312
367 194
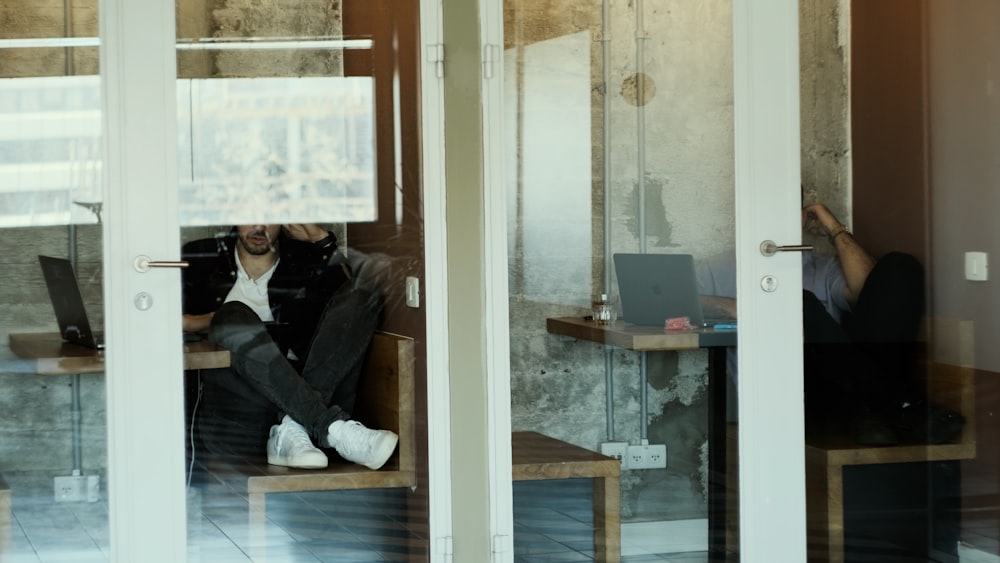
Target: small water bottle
602 310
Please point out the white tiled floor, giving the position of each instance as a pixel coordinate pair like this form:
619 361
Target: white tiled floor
552 524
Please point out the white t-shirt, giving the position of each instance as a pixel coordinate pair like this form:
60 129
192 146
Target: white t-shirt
821 274
253 293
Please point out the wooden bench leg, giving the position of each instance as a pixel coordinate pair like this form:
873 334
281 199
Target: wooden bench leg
256 512
825 505
607 520
256 526
4 516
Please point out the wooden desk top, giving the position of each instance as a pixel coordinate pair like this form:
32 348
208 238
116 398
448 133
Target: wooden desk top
53 356
640 338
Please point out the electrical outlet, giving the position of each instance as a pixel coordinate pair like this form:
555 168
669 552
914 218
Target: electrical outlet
647 456
617 450
412 292
76 488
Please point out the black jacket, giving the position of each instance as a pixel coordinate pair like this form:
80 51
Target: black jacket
307 276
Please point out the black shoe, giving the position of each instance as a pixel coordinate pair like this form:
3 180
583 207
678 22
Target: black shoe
927 423
869 428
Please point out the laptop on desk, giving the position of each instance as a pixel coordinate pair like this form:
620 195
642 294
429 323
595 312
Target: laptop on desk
657 287
67 302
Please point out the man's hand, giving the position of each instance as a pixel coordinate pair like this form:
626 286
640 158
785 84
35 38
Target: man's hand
197 323
310 232
855 262
818 220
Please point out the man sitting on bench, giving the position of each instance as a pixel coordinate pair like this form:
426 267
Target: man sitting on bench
283 301
861 318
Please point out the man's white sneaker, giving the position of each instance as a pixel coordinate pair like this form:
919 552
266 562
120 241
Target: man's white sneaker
361 445
289 445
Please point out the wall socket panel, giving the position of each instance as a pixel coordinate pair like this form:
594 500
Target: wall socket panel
77 488
617 450
649 456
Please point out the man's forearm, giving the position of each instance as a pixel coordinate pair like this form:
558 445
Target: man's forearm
718 307
855 262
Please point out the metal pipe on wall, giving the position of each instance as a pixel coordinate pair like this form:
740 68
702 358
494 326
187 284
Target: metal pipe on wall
606 186
640 129
640 104
76 412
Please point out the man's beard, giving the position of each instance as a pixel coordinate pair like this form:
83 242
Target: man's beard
257 249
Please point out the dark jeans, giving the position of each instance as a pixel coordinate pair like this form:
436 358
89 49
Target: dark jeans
243 401
867 361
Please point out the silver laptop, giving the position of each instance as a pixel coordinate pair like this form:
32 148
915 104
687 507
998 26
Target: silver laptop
657 287
67 301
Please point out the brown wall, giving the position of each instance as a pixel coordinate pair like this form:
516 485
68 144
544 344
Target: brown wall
395 245
923 124
888 127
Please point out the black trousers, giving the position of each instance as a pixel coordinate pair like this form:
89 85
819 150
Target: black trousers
867 361
240 403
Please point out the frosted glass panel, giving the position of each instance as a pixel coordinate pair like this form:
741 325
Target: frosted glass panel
50 150
251 149
276 150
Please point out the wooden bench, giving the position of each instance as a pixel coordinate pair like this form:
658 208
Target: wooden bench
949 386
385 400
539 457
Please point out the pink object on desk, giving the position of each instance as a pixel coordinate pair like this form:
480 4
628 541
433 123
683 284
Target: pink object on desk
678 323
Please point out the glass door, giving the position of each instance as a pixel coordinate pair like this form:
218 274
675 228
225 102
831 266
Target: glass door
291 116
296 115
54 490
866 125
637 134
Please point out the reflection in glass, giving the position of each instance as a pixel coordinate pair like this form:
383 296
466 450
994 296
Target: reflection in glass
53 457
276 150
278 107
305 142
550 183
50 149
619 139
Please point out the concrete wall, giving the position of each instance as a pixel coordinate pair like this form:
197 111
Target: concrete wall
562 206
36 424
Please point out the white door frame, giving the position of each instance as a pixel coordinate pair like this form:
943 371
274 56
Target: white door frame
496 289
145 397
768 207
436 276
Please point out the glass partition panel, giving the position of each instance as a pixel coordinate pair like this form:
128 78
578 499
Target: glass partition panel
922 130
619 142
305 141
291 159
53 473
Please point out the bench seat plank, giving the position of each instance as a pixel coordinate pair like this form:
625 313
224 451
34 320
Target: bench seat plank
536 456
947 385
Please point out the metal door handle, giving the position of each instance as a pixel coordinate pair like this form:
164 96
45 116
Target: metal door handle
144 263
770 248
